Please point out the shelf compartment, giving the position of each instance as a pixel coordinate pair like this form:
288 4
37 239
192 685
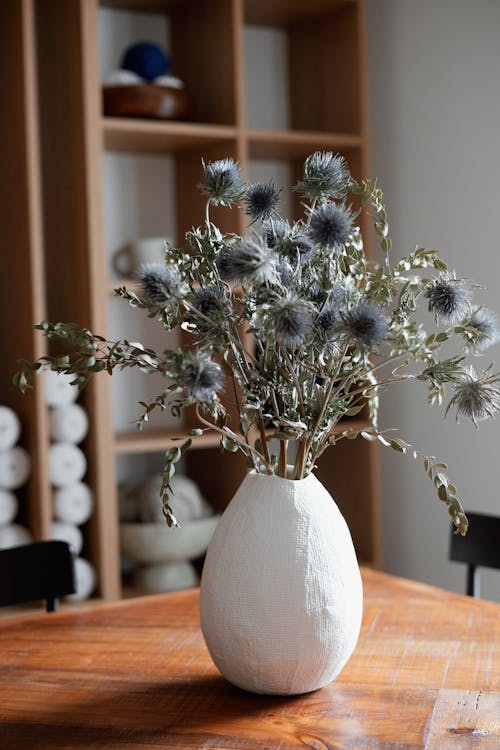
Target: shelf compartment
277 144
153 137
197 31
288 12
317 63
151 441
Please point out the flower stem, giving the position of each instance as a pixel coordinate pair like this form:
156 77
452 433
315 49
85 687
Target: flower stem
298 469
283 463
265 446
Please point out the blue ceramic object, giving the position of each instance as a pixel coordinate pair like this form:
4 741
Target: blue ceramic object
146 59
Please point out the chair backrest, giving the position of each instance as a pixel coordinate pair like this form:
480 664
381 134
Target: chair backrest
479 547
40 570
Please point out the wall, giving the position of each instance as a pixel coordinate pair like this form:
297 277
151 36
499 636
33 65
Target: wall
434 108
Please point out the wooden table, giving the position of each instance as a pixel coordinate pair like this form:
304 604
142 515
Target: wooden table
136 674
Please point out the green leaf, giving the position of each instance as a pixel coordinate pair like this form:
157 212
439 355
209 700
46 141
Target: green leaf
399 445
353 410
443 493
228 444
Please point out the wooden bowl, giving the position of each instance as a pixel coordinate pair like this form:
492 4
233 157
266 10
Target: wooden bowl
146 100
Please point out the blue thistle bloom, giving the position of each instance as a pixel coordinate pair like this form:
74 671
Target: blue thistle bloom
161 284
326 175
289 319
487 330
208 299
261 199
449 299
222 182
475 397
330 225
288 241
247 261
201 377
366 324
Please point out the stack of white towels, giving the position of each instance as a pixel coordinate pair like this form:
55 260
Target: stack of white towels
72 499
15 467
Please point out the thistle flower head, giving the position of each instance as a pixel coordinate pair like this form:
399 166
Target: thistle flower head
448 298
476 397
261 199
222 181
366 324
289 320
487 329
201 377
330 225
208 300
326 323
326 175
247 261
161 284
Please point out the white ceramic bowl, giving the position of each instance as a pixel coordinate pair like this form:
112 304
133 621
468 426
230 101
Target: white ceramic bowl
156 542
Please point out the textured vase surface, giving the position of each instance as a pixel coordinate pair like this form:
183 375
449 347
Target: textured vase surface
281 592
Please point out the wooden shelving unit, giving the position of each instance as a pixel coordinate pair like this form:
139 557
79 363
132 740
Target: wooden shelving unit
327 111
22 290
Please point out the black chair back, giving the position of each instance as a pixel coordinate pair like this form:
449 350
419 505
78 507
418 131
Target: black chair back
480 547
40 570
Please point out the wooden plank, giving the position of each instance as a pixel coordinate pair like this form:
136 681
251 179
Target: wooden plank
73 231
22 289
290 144
156 440
464 719
150 136
288 12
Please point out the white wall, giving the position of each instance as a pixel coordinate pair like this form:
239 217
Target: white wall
434 105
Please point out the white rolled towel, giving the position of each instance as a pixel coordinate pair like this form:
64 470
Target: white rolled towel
8 507
187 502
67 464
58 389
74 503
68 424
13 535
67 532
10 428
15 467
85 580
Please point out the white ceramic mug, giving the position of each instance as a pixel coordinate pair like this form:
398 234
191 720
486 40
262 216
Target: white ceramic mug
131 257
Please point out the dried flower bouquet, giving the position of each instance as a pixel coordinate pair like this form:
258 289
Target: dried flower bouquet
296 326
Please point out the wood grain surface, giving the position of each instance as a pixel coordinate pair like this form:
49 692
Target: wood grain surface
136 674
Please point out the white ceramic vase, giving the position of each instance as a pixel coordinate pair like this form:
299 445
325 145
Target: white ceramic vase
281 592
